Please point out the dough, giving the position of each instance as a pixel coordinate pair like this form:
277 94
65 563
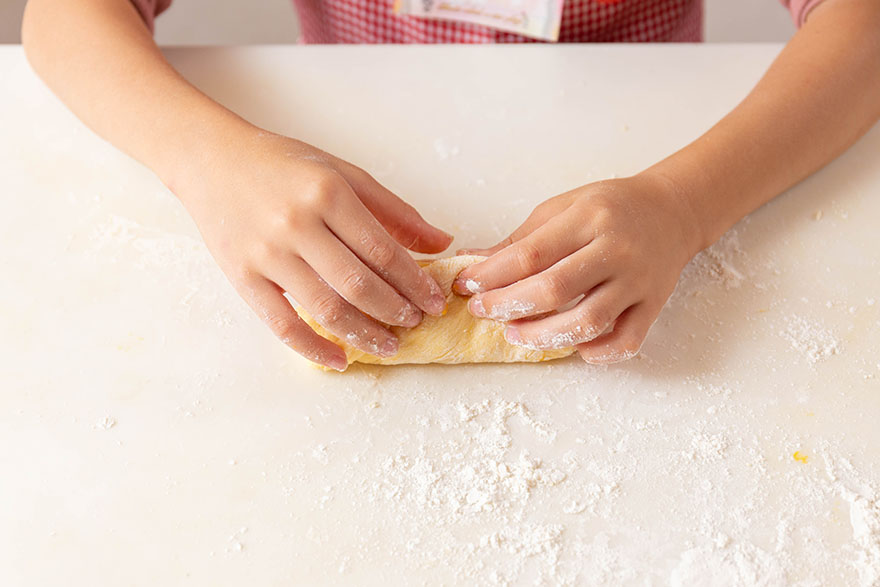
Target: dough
455 337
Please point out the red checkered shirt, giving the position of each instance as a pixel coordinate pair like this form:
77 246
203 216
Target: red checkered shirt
373 21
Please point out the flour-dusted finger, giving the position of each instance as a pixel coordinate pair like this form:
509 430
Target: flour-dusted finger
625 341
357 283
268 302
356 227
535 252
333 312
587 320
549 290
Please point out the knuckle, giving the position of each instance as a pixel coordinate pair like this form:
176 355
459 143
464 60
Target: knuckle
328 310
320 192
602 216
286 220
353 284
528 257
284 327
593 320
381 253
555 288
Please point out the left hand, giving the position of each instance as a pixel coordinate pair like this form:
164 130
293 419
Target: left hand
618 245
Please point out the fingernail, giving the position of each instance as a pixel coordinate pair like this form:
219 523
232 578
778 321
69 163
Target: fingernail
476 307
410 316
436 305
389 348
511 334
338 362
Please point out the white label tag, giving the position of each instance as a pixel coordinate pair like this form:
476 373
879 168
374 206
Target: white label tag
538 19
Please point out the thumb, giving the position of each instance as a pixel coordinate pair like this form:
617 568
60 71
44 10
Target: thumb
402 221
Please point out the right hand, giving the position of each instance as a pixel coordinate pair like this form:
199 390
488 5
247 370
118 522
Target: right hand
279 216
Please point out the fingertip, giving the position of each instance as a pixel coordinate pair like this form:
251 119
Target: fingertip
411 317
331 355
475 307
321 352
466 286
605 355
624 341
430 239
390 347
443 241
337 362
436 305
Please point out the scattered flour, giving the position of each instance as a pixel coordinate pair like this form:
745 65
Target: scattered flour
487 475
444 149
722 563
511 310
495 491
717 264
106 423
472 286
864 517
810 339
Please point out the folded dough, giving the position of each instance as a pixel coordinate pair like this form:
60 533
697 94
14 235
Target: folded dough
455 337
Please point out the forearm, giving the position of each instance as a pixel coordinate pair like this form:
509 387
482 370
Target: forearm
99 58
818 97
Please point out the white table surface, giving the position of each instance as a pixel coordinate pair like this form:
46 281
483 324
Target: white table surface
152 432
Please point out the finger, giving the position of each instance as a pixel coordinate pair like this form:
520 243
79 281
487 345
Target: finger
268 302
356 227
546 245
549 290
539 216
356 283
625 341
334 313
588 319
400 220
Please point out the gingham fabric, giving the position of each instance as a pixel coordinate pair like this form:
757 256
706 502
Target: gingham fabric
372 21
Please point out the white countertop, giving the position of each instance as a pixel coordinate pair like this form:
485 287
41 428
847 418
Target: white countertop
152 432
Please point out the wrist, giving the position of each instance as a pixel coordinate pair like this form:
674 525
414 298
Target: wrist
679 194
706 194
203 148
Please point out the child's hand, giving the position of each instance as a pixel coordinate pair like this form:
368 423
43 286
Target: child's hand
621 243
279 215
